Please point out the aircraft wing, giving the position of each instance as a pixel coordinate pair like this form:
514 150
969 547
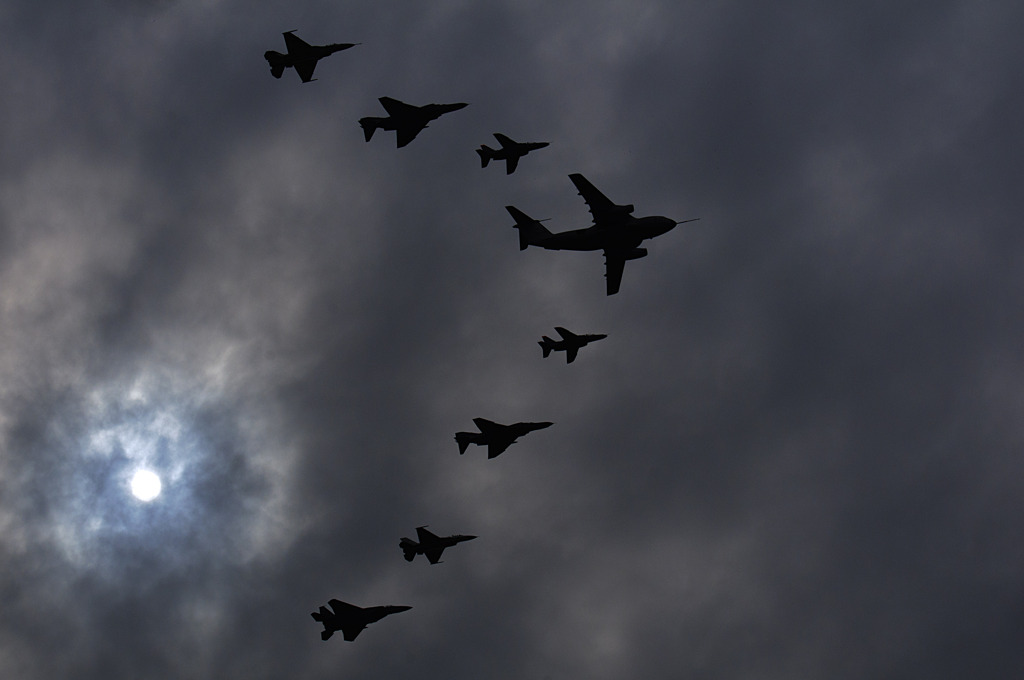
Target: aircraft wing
496 448
295 44
395 107
433 555
351 631
614 264
505 142
487 426
511 163
424 535
406 133
343 608
565 333
570 354
305 69
601 207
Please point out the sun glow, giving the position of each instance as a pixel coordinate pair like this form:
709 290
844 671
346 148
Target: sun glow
146 485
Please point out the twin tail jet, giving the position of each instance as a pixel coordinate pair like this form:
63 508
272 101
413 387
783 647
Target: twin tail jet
301 56
407 120
495 436
615 231
570 343
350 619
430 544
510 152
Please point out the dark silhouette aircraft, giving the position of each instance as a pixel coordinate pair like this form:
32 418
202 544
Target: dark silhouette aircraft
494 436
350 619
510 152
570 342
615 231
430 544
406 120
301 55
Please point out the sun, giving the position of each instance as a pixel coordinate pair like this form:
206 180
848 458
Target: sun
146 485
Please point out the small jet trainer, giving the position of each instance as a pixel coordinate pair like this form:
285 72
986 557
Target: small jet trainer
510 152
406 120
350 619
494 436
615 231
429 544
570 342
301 56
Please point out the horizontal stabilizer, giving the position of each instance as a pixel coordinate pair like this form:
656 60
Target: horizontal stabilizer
369 126
486 154
531 231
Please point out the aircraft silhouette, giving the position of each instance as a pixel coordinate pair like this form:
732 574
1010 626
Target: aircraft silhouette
350 619
301 55
570 343
429 544
615 231
406 120
494 436
510 152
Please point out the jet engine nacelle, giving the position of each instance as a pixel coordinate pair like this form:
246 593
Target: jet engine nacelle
635 254
621 209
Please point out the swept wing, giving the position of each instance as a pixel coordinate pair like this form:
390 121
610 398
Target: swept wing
296 45
614 265
601 207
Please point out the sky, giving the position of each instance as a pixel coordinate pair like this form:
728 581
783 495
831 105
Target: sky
796 454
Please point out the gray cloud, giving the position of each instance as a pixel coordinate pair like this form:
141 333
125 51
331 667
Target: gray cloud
793 455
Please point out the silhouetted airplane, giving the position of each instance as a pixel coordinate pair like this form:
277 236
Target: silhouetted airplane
494 436
301 55
570 342
615 231
510 152
405 119
350 619
430 544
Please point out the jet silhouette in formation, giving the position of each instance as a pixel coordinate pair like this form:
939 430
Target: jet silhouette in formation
301 56
570 343
350 619
429 544
510 152
406 120
615 231
494 436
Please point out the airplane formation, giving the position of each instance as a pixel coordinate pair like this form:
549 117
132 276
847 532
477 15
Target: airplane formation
615 231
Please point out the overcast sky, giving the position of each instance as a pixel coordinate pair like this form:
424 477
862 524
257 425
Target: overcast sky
796 455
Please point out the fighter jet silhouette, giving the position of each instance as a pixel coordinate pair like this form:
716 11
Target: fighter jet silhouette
429 544
494 436
570 343
350 619
301 55
615 231
405 119
511 151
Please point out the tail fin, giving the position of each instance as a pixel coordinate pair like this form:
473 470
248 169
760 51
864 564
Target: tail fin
464 439
369 125
486 154
276 61
546 344
531 231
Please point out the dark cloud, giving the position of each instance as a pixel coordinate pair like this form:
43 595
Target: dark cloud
793 455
